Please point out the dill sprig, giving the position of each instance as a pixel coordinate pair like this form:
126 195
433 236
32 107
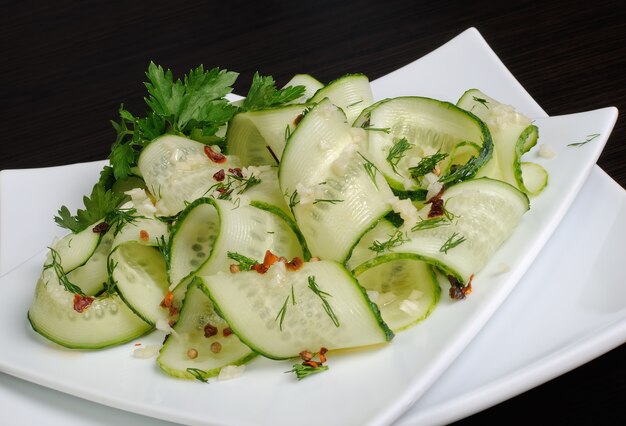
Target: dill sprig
431 223
303 371
370 169
110 285
481 101
323 295
426 165
393 241
452 242
397 152
586 141
281 314
327 200
198 374
243 262
60 273
293 199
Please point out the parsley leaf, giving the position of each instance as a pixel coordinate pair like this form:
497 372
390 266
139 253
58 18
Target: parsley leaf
193 107
264 94
98 205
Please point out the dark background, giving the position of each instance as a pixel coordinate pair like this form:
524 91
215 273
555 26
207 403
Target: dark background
65 67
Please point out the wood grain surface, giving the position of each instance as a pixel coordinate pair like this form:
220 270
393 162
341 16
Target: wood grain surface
67 66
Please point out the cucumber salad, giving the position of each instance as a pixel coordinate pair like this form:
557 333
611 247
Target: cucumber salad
287 224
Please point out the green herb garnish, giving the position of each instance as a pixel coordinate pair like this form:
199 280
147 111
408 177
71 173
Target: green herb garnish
452 242
323 296
397 152
586 141
393 241
303 371
481 101
60 273
426 165
198 374
264 94
281 314
243 262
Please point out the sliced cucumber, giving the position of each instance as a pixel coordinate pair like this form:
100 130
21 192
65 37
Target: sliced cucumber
192 239
259 137
335 198
106 322
94 273
141 277
352 93
406 130
74 250
249 230
482 213
404 289
280 313
513 136
191 347
311 85
178 170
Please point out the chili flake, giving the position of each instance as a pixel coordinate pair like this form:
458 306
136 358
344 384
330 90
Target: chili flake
216 157
219 175
143 235
81 303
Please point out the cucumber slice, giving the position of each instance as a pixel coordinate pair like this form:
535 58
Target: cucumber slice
94 273
352 93
259 137
141 277
249 230
106 322
404 289
74 250
145 230
192 239
483 213
427 126
280 313
177 171
311 85
334 197
189 348
513 136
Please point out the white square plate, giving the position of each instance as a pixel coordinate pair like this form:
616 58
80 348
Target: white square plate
373 387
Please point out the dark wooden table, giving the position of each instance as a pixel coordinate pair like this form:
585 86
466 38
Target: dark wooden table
66 67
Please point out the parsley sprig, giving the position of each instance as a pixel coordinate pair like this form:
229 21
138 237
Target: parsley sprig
194 107
264 94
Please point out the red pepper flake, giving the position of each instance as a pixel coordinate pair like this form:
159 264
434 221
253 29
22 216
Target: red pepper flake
216 157
436 205
101 228
311 363
219 175
296 121
459 291
168 300
210 330
227 332
322 354
81 303
137 344
236 172
269 259
143 235
306 355
295 264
